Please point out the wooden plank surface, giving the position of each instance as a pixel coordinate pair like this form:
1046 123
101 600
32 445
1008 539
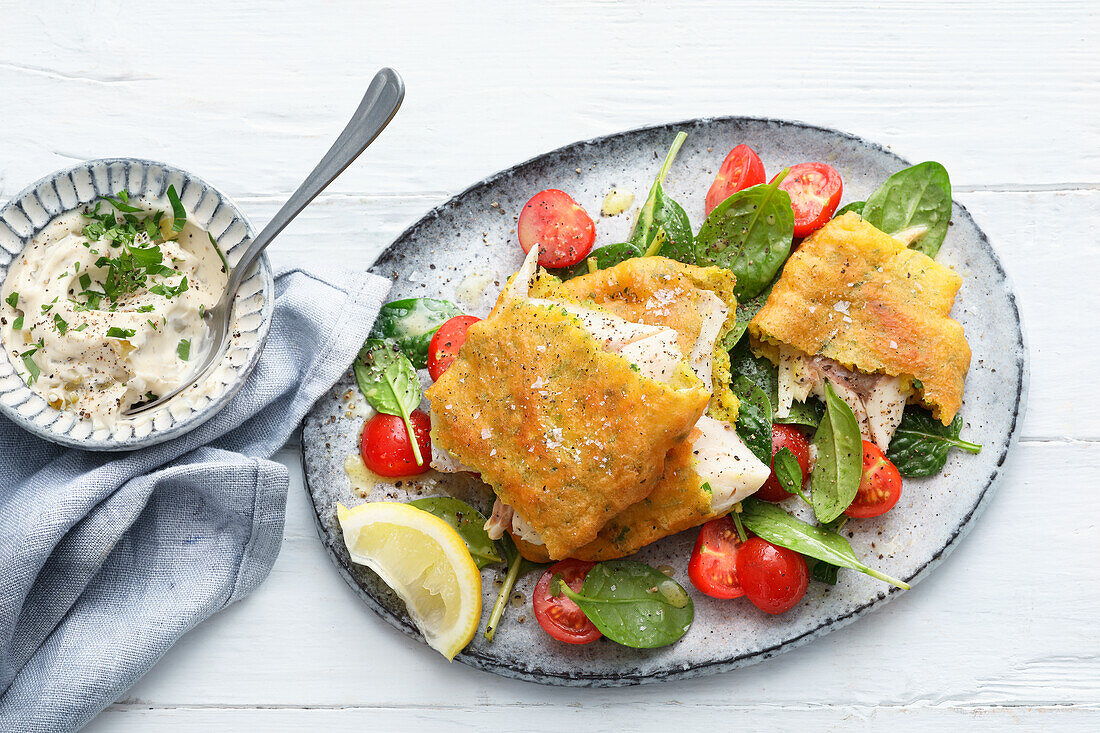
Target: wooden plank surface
248 95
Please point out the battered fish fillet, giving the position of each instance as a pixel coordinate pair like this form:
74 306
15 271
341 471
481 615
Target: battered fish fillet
567 411
858 308
697 302
711 471
704 477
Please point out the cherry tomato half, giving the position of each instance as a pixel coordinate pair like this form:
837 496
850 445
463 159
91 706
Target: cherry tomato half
773 577
561 228
557 615
386 448
879 487
790 437
711 568
815 190
444 346
741 169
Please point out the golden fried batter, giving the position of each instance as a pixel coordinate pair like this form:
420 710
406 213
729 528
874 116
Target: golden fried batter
663 292
854 294
566 433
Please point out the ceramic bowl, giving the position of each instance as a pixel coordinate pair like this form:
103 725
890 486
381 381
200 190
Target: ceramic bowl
31 210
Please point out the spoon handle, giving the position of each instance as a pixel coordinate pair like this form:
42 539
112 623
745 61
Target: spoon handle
378 107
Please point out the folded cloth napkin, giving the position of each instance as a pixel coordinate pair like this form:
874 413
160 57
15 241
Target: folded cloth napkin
107 559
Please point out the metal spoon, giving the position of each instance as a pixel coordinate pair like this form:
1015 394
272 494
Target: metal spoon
379 105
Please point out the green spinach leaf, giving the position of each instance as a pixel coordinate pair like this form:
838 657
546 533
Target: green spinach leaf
518 566
914 205
467 521
777 526
789 472
856 206
765 375
823 572
634 604
921 443
836 475
749 233
388 380
745 312
607 256
754 418
411 323
660 211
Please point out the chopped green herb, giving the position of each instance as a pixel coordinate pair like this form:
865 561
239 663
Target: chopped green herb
85 281
32 368
81 327
17 324
184 349
168 291
120 202
225 265
179 214
12 300
46 308
152 323
60 323
144 308
119 333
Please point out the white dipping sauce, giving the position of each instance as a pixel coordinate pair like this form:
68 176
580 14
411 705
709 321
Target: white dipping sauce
82 368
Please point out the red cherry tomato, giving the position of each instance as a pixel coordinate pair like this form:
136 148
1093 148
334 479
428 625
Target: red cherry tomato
880 486
557 615
562 229
790 437
386 448
444 346
815 190
773 577
711 567
741 169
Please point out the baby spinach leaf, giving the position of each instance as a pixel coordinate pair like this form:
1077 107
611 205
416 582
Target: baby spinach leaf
835 479
745 312
789 472
411 323
467 521
660 212
518 566
634 604
773 524
388 380
915 203
754 418
921 443
765 375
808 413
749 233
602 258
823 572
856 206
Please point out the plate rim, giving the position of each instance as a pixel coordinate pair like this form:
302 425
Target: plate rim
495 666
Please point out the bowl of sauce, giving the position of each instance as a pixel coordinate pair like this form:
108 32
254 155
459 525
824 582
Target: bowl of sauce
107 269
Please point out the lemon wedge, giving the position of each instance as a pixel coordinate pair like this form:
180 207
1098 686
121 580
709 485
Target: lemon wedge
425 561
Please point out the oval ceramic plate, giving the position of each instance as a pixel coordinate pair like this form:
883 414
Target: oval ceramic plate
466 248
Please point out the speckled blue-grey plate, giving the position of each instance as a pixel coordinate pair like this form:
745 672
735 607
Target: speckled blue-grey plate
465 249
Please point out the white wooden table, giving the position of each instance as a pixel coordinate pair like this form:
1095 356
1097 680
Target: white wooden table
1006 94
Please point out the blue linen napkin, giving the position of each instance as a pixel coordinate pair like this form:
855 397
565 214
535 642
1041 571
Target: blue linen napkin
106 560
